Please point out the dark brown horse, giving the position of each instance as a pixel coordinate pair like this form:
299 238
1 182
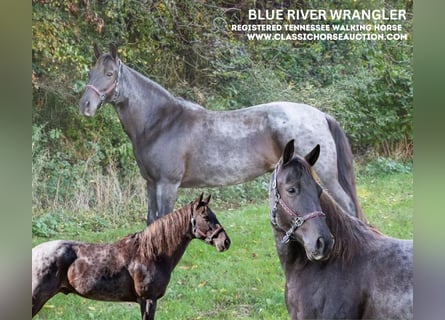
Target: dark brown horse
177 143
136 268
336 266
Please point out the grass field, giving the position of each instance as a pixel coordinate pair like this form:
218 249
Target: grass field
245 282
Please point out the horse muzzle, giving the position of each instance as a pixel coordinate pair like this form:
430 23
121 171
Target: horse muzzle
321 250
88 106
221 242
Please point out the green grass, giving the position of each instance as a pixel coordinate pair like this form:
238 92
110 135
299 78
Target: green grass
245 282
387 202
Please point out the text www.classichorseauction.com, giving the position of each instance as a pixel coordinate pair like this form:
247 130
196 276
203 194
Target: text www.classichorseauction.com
331 25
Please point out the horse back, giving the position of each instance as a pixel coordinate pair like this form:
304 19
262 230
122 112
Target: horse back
239 145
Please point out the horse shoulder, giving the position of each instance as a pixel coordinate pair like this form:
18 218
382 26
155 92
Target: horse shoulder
150 279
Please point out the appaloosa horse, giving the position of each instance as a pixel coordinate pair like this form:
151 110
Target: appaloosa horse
336 266
177 143
136 268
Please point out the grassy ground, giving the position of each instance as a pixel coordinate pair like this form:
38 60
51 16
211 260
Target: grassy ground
245 282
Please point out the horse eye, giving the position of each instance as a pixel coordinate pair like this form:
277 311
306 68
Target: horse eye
292 190
109 74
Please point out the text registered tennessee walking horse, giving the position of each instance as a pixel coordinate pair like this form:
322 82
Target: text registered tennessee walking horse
177 143
336 266
136 268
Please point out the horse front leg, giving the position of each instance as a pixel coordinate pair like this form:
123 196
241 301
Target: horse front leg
148 309
166 193
152 202
162 197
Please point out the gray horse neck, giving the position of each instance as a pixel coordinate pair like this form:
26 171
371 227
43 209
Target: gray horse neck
292 254
142 103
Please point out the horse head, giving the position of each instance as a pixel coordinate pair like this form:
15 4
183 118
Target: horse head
205 225
103 82
297 210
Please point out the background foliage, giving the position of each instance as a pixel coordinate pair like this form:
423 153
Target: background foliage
186 46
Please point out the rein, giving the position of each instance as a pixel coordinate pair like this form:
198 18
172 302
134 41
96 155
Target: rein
113 87
297 219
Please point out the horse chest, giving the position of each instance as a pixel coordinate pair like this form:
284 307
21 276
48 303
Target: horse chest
316 295
150 281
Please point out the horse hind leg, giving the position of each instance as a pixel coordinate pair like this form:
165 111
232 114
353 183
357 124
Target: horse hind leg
45 286
37 303
42 293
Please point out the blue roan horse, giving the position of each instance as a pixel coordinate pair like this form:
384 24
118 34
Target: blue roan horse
177 143
336 266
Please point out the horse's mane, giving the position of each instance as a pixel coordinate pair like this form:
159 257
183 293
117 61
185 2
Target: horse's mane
163 235
351 234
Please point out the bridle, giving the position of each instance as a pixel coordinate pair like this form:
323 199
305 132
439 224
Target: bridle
297 219
113 87
205 237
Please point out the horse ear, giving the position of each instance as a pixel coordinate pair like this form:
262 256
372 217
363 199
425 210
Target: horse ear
312 156
207 200
97 51
288 152
199 200
113 50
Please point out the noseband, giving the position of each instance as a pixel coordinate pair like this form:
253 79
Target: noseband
297 219
114 86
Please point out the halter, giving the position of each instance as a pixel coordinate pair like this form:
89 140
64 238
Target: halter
212 236
114 86
206 238
297 220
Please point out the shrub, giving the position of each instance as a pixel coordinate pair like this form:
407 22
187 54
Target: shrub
384 166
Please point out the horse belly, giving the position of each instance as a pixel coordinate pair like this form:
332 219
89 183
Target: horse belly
118 287
92 279
237 162
231 148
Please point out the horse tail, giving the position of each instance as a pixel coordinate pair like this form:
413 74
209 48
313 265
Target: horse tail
345 166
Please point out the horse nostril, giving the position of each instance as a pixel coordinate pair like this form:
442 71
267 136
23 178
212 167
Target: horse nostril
227 242
320 244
